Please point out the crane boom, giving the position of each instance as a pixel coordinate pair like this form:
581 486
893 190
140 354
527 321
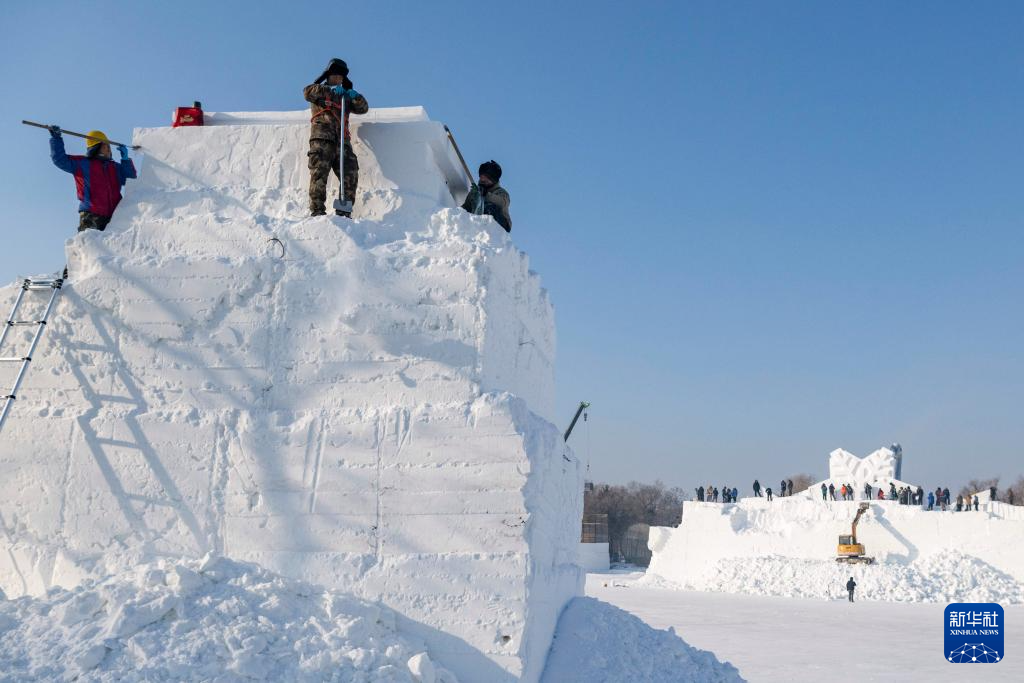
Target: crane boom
579 411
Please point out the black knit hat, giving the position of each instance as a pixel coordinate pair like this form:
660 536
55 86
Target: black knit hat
491 169
335 67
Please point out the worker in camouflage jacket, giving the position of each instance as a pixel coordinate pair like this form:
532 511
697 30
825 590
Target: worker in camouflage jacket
489 198
324 96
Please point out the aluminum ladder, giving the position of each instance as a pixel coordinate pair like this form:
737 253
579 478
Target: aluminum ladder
28 285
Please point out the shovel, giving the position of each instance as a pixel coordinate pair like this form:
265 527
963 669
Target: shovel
340 204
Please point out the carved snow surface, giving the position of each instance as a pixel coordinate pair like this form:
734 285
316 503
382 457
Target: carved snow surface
362 404
877 469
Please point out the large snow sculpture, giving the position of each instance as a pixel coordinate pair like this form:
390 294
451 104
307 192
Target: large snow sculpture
877 469
363 404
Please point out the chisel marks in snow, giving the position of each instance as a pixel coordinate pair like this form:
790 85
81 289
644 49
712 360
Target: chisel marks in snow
382 427
318 444
10 554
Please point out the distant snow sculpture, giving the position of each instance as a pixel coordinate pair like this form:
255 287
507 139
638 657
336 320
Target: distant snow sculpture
877 468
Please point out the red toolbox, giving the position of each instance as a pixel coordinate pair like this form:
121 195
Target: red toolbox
188 116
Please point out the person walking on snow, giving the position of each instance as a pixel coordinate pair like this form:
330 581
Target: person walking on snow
850 585
487 198
325 95
757 489
97 177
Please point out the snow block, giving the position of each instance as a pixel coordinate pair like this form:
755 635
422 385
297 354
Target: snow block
361 403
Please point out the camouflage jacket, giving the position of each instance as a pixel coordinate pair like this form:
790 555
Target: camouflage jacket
494 203
325 105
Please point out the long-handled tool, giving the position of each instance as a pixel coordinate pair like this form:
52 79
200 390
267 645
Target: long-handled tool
341 204
465 167
81 135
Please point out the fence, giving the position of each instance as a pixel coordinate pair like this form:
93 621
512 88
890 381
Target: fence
595 529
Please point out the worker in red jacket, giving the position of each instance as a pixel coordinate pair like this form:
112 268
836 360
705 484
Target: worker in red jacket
97 177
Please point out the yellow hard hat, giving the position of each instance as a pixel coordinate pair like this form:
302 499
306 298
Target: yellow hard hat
92 141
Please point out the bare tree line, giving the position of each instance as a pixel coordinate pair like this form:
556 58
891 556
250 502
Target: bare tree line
1013 493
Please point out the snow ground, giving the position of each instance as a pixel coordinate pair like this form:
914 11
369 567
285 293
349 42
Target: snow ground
793 639
596 641
206 620
943 577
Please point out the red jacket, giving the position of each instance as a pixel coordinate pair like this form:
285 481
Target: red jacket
98 181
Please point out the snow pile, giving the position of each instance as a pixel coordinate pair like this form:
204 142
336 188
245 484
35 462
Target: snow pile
206 620
597 642
788 546
943 577
364 404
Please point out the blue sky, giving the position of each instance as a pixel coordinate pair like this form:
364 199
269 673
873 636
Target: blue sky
769 229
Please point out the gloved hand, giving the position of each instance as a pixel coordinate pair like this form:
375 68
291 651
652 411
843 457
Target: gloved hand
54 131
124 152
342 91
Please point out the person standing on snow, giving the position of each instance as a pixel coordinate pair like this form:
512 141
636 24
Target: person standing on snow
768 493
931 501
97 177
325 95
789 488
824 492
735 494
850 585
488 198
700 494
782 488
831 491
975 503
757 489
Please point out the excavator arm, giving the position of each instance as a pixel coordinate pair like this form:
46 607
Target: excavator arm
860 512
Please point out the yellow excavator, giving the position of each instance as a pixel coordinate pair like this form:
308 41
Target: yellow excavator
850 551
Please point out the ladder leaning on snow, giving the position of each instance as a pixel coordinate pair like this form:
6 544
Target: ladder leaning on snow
29 285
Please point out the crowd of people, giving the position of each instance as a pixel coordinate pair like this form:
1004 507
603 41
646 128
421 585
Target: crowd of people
712 494
905 495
